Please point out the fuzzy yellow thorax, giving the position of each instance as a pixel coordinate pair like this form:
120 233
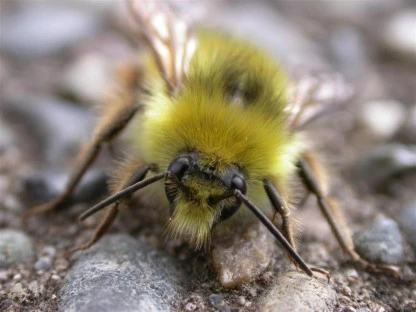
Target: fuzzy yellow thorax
230 109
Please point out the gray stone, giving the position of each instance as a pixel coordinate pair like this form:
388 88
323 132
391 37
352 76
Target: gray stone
45 185
261 24
245 258
407 221
347 47
15 247
121 274
393 158
43 263
399 35
7 137
59 127
381 243
408 130
49 251
295 291
41 30
87 79
216 300
383 118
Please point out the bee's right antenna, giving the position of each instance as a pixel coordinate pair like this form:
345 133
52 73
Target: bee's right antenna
275 231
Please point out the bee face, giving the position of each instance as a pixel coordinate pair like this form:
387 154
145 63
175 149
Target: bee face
201 194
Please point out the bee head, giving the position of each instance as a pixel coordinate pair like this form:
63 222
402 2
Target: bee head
200 193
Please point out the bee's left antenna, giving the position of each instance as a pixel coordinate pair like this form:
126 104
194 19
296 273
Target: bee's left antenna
125 192
275 231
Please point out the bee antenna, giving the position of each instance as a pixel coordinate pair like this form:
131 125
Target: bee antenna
125 192
275 231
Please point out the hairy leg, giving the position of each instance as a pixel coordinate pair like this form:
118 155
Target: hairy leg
312 174
282 208
120 108
139 173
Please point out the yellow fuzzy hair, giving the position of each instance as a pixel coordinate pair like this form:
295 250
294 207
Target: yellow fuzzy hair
202 117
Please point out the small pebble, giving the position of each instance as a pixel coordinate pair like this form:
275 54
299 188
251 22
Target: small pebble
383 118
4 275
352 275
61 264
17 277
224 308
55 277
49 251
346 291
43 263
35 289
15 247
12 204
189 307
407 221
253 292
381 242
87 78
295 291
216 300
241 300
399 34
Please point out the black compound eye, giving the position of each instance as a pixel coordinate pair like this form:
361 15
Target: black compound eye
238 183
179 166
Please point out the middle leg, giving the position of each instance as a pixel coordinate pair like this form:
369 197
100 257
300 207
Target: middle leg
310 172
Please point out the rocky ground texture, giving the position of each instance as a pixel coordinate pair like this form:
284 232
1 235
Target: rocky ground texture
55 62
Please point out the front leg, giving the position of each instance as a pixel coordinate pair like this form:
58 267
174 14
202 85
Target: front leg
282 208
139 174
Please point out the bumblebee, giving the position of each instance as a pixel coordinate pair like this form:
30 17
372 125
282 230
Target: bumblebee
218 121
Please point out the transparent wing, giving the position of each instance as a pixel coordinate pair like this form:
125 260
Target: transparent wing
169 37
313 95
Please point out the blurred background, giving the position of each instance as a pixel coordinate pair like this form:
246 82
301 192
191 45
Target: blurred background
57 60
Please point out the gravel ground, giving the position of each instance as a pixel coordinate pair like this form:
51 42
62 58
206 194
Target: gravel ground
55 61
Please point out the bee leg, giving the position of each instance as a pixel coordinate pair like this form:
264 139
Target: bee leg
121 109
334 217
280 206
101 229
304 200
109 218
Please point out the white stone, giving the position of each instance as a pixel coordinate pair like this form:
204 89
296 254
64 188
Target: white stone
400 34
88 78
383 117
